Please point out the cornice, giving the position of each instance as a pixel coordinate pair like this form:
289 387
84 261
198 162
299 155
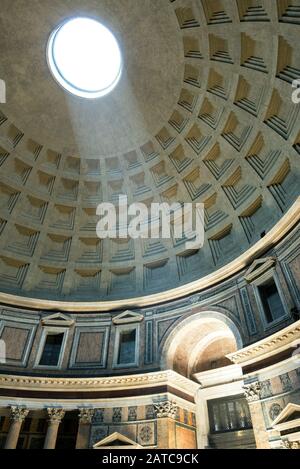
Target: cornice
281 229
276 343
35 383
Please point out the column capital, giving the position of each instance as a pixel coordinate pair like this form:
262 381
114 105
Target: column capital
86 415
165 409
252 391
55 415
18 414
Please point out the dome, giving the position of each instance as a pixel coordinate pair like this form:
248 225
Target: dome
202 112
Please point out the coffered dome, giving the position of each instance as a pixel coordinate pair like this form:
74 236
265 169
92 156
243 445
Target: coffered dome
203 112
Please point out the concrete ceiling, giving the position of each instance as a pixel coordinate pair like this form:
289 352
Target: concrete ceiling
203 112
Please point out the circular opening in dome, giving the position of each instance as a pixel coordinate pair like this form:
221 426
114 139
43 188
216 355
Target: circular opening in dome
85 58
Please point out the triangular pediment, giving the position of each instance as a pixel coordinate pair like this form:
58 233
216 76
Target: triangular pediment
116 440
57 319
293 416
259 267
289 417
127 317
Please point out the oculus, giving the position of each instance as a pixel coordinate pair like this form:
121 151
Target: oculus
84 58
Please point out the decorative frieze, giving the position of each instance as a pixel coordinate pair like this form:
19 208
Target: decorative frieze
132 414
266 389
117 415
286 382
150 412
98 416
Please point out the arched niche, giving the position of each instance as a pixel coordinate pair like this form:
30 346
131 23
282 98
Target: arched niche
200 343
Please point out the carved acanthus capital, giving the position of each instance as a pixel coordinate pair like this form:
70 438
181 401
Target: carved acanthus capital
252 391
18 414
86 416
165 409
55 415
291 444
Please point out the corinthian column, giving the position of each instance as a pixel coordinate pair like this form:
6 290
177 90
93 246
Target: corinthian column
85 420
17 417
55 418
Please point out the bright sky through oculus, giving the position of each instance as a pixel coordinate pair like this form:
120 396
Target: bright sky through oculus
85 58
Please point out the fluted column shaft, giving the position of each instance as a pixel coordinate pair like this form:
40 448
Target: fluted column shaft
18 415
55 418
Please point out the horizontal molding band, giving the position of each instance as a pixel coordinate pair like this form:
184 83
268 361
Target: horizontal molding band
117 394
144 382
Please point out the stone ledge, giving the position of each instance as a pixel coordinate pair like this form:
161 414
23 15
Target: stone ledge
33 383
278 342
